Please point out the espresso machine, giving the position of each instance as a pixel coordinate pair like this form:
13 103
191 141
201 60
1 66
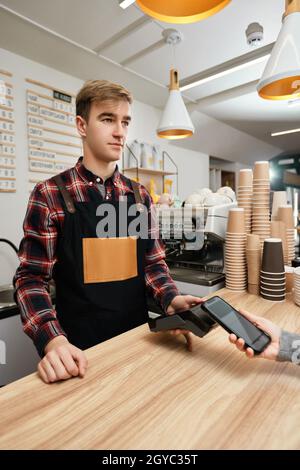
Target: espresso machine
194 239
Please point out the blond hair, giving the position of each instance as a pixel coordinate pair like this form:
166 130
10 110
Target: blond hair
99 90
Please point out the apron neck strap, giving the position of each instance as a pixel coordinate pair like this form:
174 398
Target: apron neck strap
137 196
136 191
66 196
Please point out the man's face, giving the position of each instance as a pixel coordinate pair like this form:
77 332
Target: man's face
105 133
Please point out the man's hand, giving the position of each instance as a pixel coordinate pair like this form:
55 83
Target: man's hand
181 303
62 361
272 350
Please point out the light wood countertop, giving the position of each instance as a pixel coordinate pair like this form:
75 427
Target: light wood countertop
146 391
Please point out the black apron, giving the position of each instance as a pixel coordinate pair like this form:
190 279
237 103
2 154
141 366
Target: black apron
92 312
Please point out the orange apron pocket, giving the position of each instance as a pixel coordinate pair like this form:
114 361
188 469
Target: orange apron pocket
109 259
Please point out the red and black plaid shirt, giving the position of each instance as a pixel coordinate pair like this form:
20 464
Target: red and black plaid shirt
38 250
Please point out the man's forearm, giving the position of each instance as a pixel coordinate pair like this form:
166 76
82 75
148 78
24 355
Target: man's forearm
37 313
159 281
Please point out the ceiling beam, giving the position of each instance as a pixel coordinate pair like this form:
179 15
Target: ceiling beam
132 28
227 66
147 50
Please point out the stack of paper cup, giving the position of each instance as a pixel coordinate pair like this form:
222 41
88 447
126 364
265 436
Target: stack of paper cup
253 256
235 251
244 198
285 214
297 286
278 230
279 199
289 278
261 201
272 274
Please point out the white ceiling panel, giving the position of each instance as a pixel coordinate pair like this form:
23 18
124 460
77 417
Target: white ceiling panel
88 22
149 34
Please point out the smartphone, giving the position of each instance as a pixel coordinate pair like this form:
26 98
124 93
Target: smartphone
233 322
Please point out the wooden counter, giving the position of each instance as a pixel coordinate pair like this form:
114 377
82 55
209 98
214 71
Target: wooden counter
146 391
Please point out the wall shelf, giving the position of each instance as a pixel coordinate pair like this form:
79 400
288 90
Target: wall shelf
139 171
147 171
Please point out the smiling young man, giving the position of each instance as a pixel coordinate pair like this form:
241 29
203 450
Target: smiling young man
100 280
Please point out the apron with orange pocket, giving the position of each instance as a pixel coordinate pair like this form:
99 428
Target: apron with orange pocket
100 286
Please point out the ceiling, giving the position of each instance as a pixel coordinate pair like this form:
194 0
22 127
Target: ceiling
97 36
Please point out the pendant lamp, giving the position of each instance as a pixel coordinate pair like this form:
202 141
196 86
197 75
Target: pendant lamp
281 78
181 11
175 122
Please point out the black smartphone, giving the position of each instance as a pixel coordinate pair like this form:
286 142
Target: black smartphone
233 322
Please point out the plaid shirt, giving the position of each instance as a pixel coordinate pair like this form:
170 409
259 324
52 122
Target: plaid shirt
43 225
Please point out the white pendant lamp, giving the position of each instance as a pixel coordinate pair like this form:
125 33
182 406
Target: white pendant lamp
281 78
175 122
181 11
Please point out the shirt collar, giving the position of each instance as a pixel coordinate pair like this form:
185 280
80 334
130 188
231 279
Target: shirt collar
90 178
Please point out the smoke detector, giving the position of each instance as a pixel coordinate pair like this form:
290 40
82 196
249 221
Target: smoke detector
255 34
172 36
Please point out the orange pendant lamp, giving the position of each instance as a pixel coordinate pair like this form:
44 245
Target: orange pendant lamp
281 78
181 11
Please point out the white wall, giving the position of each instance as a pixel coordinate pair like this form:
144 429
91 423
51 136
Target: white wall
228 166
193 166
216 138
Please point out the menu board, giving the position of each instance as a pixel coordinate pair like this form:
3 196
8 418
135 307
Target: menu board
53 142
7 135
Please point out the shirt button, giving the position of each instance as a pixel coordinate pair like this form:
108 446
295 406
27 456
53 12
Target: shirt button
98 180
91 183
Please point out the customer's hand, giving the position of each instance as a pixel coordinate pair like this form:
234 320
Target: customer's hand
62 361
272 350
181 303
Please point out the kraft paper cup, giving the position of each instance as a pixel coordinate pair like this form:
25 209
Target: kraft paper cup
285 214
245 177
289 278
297 272
261 184
279 199
278 230
245 189
236 221
253 289
236 279
236 269
261 170
260 210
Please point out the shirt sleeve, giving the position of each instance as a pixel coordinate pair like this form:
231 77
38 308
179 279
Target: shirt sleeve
289 345
157 274
37 255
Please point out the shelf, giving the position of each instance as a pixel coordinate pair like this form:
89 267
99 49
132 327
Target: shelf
147 171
